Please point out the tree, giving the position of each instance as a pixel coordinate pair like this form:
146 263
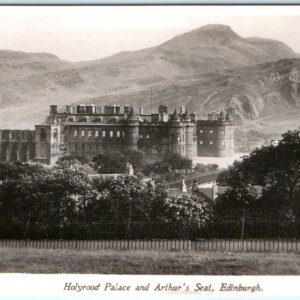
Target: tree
126 200
136 158
187 209
75 164
276 168
48 196
200 168
118 199
158 167
14 170
110 163
176 161
170 163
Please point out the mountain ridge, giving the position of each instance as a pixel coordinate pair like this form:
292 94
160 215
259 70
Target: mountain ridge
206 68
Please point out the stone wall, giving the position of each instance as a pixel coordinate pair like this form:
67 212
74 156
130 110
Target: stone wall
17 145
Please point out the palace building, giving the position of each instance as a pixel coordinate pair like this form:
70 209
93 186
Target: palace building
87 130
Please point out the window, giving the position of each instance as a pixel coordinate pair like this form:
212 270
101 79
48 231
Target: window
201 131
75 147
82 133
123 133
223 144
103 133
43 135
82 147
89 133
111 133
90 147
55 135
211 131
147 136
201 142
211 142
223 132
179 139
75 133
118 134
183 138
141 136
96 133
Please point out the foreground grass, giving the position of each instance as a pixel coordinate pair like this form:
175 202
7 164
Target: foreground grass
147 262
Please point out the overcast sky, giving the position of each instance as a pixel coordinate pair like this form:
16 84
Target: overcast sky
92 32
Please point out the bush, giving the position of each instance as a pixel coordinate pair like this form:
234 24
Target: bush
111 163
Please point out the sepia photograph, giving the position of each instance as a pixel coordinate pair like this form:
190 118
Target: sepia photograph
150 140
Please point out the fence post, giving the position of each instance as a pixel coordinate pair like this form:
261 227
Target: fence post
127 235
27 225
243 227
76 236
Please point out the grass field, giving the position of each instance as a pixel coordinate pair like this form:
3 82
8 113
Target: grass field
147 262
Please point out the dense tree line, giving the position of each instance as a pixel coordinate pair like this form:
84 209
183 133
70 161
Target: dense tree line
63 195
275 168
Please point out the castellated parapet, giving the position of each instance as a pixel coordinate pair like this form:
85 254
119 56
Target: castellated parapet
88 130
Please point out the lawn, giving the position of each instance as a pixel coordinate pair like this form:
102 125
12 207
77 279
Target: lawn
147 262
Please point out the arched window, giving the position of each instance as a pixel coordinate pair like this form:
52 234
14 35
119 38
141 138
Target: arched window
43 135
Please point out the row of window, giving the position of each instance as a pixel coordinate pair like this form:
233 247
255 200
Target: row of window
97 133
147 136
201 131
211 143
111 133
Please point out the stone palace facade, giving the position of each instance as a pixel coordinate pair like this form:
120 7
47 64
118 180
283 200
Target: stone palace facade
87 130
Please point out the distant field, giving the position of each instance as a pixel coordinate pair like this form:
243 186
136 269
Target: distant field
148 262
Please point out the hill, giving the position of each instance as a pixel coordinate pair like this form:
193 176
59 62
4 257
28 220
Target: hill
208 68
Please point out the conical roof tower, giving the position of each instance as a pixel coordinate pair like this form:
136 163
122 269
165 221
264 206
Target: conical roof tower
175 117
186 116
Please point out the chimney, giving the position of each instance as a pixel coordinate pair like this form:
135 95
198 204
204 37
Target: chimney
69 109
53 110
126 109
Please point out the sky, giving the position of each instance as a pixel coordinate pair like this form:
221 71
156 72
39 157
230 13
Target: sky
79 33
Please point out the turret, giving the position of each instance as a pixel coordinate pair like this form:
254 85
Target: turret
175 134
189 135
186 116
131 131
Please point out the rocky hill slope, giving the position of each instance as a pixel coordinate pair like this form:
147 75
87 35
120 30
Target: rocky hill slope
208 68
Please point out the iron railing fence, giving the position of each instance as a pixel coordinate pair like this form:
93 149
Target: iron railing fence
232 231
223 225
